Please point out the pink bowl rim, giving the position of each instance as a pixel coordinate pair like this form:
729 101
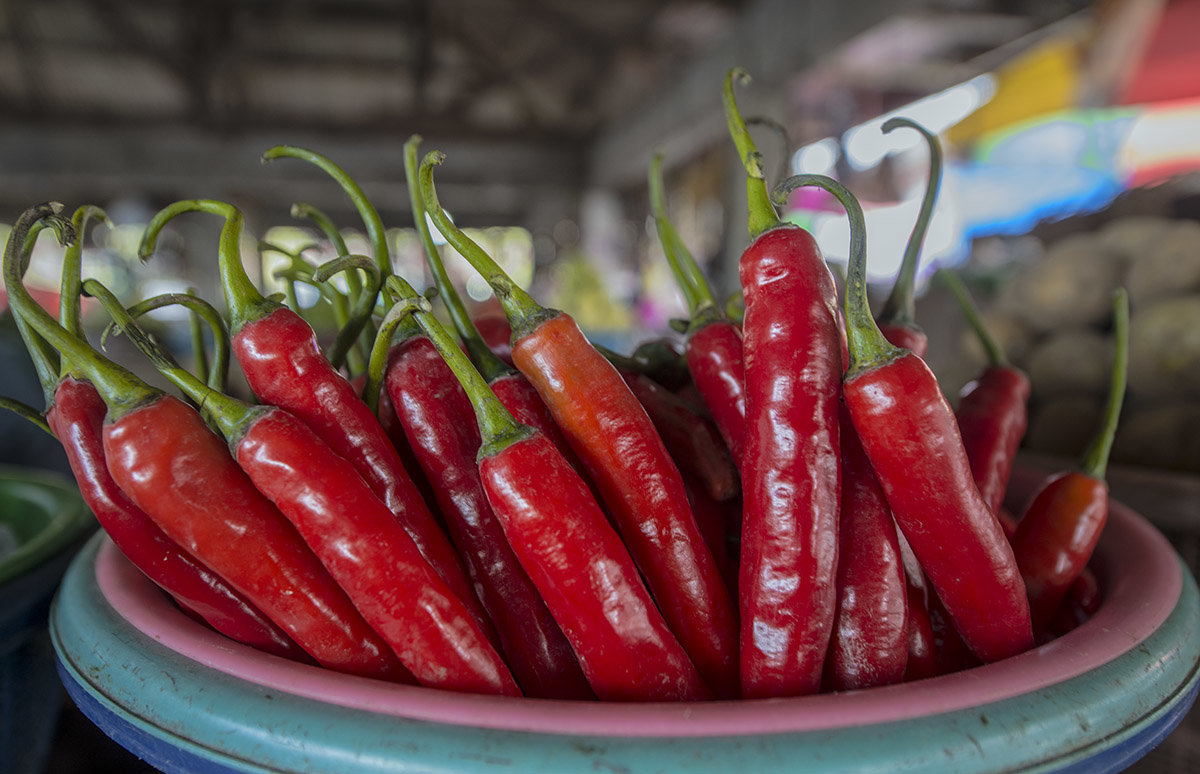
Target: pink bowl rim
1138 567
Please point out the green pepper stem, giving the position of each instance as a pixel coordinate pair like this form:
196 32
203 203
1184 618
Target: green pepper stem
1095 459
402 326
231 416
201 311
121 390
357 357
199 345
696 291
26 411
376 233
785 162
497 426
485 360
522 311
70 287
900 306
867 346
46 362
993 350
364 306
762 213
246 304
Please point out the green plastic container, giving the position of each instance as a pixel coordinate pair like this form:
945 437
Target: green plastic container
43 516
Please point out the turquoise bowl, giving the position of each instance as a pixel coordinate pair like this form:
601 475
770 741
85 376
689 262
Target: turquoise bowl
185 699
44 522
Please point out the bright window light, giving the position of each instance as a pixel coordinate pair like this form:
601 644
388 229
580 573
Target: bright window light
866 144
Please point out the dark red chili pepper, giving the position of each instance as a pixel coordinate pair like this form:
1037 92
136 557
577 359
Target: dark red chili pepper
496 331
992 409
508 384
910 434
791 466
1060 527
283 365
162 455
610 431
357 538
871 631
1081 603
566 545
714 342
692 440
897 319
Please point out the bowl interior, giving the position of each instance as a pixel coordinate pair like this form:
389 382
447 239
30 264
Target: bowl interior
1138 569
40 513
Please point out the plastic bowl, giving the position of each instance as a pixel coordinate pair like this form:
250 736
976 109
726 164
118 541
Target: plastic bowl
186 699
44 523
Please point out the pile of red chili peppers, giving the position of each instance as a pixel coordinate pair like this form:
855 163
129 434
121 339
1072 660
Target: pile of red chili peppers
778 502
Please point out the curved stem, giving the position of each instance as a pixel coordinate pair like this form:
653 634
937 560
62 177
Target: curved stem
245 302
993 350
867 345
46 362
762 212
1095 459
497 426
229 414
522 311
121 390
389 328
900 306
376 233
691 281
785 164
485 360
71 285
327 227
200 309
342 348
26 411
199 345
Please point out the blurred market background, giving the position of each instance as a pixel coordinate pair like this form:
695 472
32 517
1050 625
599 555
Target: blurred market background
1071 133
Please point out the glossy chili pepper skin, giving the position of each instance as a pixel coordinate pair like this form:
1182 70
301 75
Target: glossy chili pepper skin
77 419
871 629
527 407
642 489
1055 537
992 417
285 367
692 440
442 431
180 473
371 556
911 436
586 576
716 361
791 468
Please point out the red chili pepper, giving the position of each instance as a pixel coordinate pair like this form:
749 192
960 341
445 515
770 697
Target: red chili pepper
897 318
791 466
992 409
714 342
76 416
163 456
356 537
871 631
624 456
910 434
692 440
572 554
496 331
1060 527
283 365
